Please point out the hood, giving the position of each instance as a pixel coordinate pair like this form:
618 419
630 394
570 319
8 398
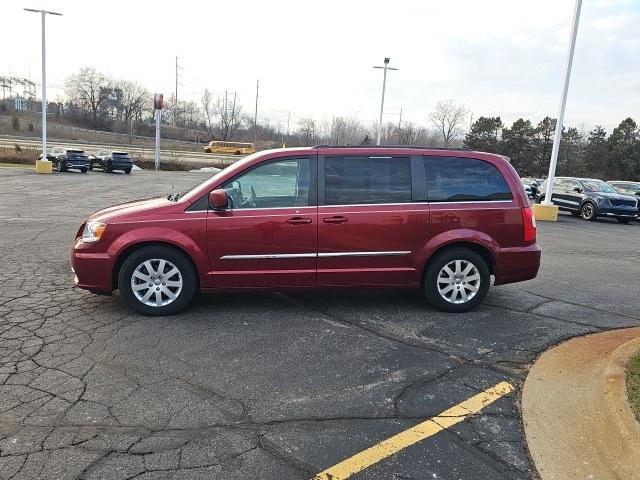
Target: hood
137 206
615 196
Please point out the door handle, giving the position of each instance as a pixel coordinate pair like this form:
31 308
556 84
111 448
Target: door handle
299 220
335 219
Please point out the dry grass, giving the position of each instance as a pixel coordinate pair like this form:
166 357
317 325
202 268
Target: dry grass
633 383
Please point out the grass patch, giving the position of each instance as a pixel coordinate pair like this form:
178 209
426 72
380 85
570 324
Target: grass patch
633 383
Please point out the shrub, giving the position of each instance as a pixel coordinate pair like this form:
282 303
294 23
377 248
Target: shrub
30 127
15 123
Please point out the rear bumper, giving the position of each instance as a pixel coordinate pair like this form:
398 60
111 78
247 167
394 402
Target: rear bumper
77 164
121 165
517 264
92 270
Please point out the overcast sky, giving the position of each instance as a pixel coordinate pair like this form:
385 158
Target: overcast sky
498 57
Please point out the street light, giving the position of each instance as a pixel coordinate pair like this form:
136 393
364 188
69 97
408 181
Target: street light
547 210
384 85
43 13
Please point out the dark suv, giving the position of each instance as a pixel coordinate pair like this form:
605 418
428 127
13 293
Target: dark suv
109 161
65 158
591 198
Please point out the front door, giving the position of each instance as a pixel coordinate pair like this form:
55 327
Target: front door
368 227
268 235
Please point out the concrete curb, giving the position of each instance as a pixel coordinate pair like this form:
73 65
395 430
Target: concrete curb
578 423
623 421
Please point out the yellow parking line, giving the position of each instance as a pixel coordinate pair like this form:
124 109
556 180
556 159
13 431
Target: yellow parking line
402 440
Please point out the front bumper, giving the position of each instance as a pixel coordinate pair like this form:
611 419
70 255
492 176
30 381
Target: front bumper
92 269
621 212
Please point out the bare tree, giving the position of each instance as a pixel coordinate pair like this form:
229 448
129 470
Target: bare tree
448 118
230 116
209 113
307 130
89 88
134 99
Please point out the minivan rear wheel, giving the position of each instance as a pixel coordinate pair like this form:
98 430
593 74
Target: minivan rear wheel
157 280
456 280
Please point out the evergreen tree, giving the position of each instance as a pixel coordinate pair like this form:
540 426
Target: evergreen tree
518 143
483 135
624 151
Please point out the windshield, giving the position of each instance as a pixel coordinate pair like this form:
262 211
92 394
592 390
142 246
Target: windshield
598 186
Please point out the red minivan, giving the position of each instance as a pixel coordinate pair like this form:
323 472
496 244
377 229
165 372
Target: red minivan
444 221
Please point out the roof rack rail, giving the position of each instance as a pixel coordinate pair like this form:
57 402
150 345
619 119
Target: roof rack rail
408 147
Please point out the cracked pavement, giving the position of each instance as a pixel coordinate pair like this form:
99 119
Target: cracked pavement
270 385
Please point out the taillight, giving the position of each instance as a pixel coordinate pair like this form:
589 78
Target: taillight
528 225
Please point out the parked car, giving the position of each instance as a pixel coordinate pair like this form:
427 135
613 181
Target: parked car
443 221
109 161
591 198
65 158
626 188
52 153
531 186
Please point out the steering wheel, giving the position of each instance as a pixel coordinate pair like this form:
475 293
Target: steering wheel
250 201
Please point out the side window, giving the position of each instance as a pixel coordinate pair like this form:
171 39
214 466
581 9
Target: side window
451 179
283 183
363 180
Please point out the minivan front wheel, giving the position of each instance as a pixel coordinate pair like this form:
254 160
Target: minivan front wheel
157 280
456 280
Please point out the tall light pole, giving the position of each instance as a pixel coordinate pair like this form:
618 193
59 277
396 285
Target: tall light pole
563 101
43 14
384 86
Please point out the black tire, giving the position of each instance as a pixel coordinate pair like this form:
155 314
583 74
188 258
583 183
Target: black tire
624 221
588 211
127 171
84 170
62 166
438 263
171 255
108 168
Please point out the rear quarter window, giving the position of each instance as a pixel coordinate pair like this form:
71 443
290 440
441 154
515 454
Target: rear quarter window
453 179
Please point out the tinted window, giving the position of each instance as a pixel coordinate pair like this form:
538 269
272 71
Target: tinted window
463 179
361 180
282 183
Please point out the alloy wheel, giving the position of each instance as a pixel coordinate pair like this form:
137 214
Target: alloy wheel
458 281
156 282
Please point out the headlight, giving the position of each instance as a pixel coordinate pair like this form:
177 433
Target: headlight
93 231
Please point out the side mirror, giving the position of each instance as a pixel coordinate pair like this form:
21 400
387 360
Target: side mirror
577 189
218 199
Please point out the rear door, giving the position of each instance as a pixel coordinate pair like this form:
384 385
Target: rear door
368 225
268 235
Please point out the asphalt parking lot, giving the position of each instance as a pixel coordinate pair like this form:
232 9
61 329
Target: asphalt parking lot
271 385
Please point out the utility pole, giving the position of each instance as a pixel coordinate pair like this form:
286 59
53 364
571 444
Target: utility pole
288 121
175 105
563 101
384 85
46 167
255 114
400 120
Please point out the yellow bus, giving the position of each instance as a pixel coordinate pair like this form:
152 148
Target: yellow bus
235 148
